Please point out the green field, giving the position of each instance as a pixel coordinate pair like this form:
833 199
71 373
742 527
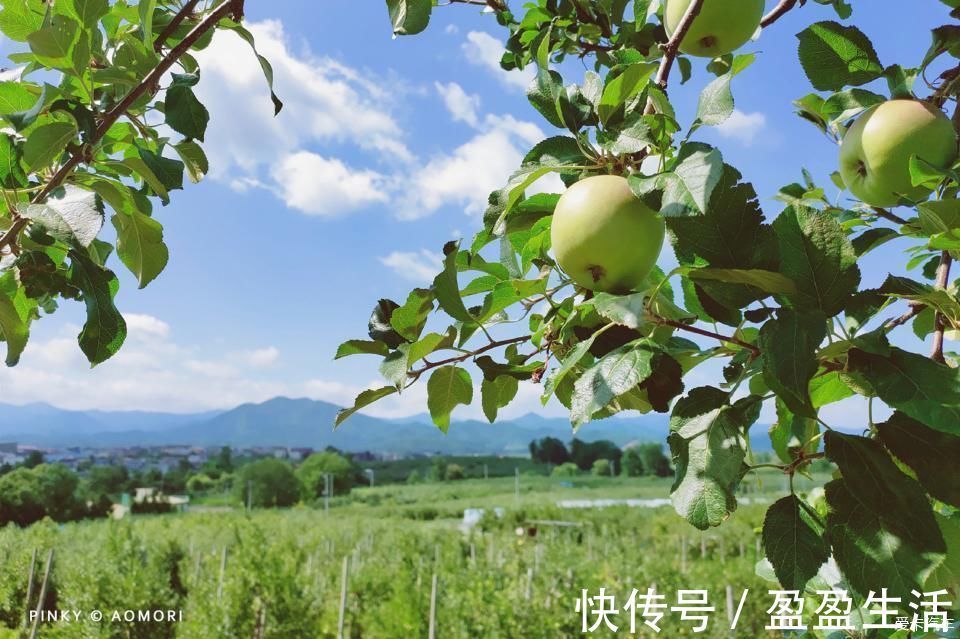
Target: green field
282 570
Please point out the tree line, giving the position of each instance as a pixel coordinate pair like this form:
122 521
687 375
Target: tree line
601 457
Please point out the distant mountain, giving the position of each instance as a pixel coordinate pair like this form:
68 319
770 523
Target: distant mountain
303 422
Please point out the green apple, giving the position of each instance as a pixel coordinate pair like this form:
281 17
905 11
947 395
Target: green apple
723 26
604 237
876 150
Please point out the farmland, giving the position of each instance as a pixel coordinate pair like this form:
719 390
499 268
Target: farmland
280 573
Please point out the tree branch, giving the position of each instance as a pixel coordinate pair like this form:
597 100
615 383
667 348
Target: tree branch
940 323
777 12
178 19
753 348
887 215
915 309
672 47
415 375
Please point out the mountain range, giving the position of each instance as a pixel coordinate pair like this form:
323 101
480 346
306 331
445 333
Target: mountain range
303 422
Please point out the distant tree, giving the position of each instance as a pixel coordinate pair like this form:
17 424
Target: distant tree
34 458
200 483
454 472
174 481
224 461
272 483
20 498
311 472
584 454
601 468
568 469
58 492
108 480
549 450
655 462
414 477
438 469
632 462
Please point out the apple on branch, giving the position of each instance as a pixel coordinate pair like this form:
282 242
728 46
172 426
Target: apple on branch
723 26
876 150
604 237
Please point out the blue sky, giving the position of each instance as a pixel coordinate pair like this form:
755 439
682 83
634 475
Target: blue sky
385 151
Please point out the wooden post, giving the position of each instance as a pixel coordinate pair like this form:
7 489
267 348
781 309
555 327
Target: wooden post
344 585
683 555
730 610
485 474
473 555
43 595
703 547
743 551
223 570
758 549
723 550
432 632
516 483
26 604
529 590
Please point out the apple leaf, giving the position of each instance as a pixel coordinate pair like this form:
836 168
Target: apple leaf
140 245
364 399
794 543
834 56
613 375
931 454
448 387
789 344
46 143
497 394
409 17
105 329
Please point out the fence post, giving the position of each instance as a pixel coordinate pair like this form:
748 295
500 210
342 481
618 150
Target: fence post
223 570
26 605
730 611
344 584
432 632
43 594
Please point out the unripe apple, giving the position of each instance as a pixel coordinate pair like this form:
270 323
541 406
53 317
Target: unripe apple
876 150
723 26
604 237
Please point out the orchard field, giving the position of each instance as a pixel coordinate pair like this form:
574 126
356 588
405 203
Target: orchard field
279 573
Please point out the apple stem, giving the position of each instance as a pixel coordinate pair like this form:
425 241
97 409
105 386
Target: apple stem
777 12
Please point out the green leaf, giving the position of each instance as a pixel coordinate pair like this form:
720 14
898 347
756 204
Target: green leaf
14 322
20 18
570 361
931 454
447 288
793 433
88 12
73 216
766 281
687 191
871 239
19 105
834 56
265 65
409 319
194 159
871 553
54 45
380 327
167 170
365 398
46 143
496 394
184 112
12 175
146 9
448 387
816 254
105 329
846 105
623 88
789 344
920 387
409 17
708 447
612 376
361 347
877 483
140 245
947 574
716 100
794 544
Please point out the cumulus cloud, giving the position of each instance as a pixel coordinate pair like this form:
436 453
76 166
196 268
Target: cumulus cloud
466 176
325 186
485 51
416 267
743 127
463 106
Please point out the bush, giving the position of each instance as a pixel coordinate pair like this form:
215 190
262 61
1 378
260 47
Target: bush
313 469
271 483
454 472
602 468
568 469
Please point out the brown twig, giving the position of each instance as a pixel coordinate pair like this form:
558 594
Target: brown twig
887 215
915 309
415 374
753 348
777 12
148 84
940 323
177 20
672 47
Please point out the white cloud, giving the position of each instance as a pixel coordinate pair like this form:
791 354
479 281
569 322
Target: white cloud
146 325
743 127
325 103
262 357
320 186
417 267
483 50
466 176
463 106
